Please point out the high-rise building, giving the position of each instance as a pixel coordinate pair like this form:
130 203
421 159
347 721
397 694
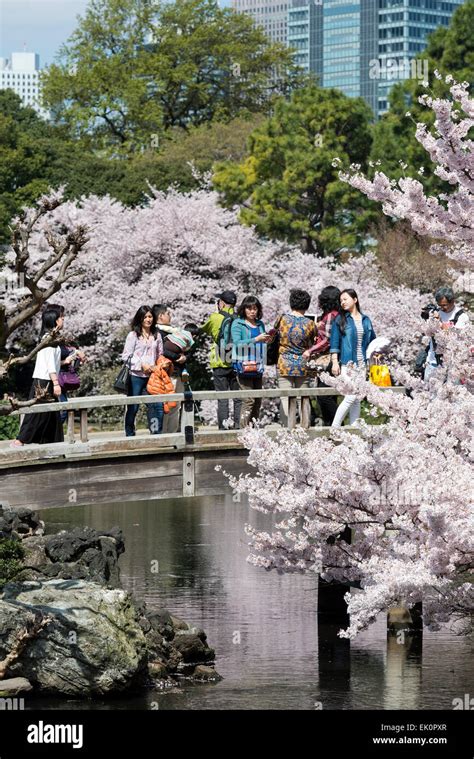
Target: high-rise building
271 15
403 28
362 47
22 75
305 26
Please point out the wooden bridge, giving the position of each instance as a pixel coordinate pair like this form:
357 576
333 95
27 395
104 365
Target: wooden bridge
104 467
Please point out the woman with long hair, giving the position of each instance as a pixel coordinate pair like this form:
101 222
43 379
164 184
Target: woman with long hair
44 428
248 354
143 347
328 302
351 334
71 357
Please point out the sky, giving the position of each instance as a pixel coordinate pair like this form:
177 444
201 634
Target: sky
40 25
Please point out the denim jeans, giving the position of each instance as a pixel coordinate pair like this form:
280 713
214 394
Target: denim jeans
154 410
63 399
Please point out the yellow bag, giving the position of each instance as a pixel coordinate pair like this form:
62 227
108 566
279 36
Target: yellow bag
379 374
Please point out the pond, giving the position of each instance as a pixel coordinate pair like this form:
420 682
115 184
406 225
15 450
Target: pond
262 625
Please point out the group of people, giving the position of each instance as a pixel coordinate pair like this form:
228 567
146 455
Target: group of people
339 336
156 353
239 351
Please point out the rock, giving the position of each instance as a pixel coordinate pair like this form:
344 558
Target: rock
145 625
14 686
174 660
207 674
157 669
179 624
199 632
69 546
110 553
192 649
161 621
22 521
35 552
93 644
83 554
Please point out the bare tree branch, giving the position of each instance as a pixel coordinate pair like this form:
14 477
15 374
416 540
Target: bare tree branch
64 250
50 339
42 394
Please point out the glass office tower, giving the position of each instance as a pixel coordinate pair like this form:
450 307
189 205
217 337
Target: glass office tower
363 47
305 34
403 28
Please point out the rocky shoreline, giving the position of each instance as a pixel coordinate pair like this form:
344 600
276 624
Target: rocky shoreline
68 627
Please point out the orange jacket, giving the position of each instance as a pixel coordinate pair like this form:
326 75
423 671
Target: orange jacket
160 382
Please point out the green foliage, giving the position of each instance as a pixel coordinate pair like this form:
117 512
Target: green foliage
11 554
449 51
288 186
134 69
202 146
9 427
36 155
24 157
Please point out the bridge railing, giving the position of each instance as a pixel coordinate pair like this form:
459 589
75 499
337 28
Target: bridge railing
84 404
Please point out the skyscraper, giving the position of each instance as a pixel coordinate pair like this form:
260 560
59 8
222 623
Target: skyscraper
21 74
362 47
272 15
305 26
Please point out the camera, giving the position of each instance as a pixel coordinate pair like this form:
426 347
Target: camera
428 310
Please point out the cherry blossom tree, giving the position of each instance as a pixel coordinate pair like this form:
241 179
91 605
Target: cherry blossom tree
37 277
404 488
183 248
447 217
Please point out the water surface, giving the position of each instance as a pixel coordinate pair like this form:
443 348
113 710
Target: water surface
262 625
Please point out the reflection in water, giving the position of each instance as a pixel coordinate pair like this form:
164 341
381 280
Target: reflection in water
402 671
262 625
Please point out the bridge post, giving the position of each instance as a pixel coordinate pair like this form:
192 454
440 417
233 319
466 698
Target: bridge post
188 475
70 427
84 431
187 415
292 405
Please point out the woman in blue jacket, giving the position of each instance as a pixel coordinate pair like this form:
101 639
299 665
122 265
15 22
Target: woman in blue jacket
351 333
248 354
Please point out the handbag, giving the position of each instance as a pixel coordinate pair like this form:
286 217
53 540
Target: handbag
69 380
273 348
315 366
379 374
123 377
249 368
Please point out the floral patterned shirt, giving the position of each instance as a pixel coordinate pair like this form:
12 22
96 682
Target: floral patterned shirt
297 334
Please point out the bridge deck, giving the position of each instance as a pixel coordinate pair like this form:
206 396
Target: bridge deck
106 466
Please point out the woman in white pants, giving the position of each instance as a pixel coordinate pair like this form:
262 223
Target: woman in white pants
351 333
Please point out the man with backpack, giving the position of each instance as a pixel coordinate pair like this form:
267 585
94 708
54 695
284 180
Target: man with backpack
450 315
218 327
